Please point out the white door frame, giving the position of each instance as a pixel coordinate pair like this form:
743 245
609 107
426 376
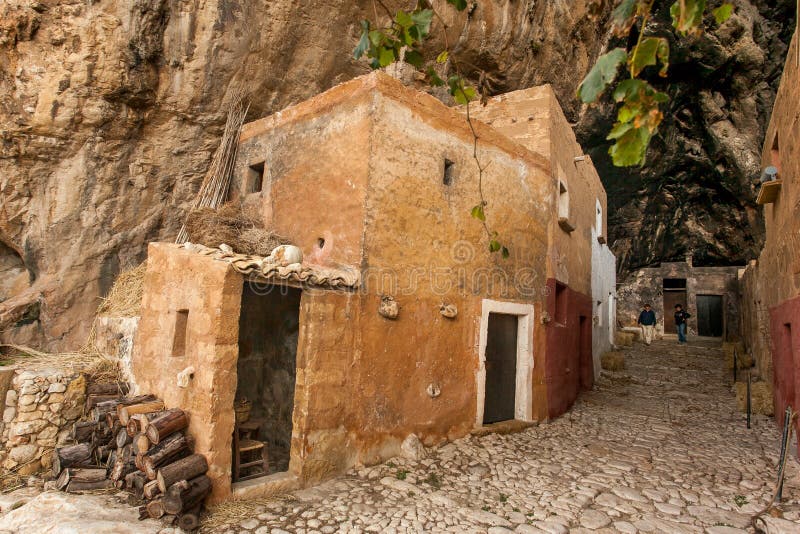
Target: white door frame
524 379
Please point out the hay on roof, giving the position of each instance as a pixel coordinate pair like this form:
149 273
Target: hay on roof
244 233
125 297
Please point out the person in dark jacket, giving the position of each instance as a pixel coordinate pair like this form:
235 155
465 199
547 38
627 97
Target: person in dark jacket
680 322
647 320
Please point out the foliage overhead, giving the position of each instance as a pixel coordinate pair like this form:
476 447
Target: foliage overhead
639 113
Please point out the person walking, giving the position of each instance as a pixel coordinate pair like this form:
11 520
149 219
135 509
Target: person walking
647 320
680 322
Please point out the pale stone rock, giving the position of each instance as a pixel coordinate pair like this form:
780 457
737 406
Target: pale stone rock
412 448
8 414
57 387
11 397
551 527
29 427
249 524
594 519
483 517
625 527
23 453
56 397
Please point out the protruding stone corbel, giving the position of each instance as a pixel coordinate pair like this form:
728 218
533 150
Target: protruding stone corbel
389 307
448 310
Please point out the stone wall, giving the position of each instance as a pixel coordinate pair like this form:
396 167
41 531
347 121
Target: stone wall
770 294
646 286
40 407
604 296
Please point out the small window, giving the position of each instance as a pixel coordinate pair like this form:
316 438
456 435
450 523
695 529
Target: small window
775 154
563 201
599 312
255 178
447 177
560 314
181 325
674 283
598 218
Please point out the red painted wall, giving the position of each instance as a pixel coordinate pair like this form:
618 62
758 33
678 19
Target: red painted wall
784 321
568 353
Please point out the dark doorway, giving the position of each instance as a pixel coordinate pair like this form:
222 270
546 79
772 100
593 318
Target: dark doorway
267 370
674 293
709 315
501 368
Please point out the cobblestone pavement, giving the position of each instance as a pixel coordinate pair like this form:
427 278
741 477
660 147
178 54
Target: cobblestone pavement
658 447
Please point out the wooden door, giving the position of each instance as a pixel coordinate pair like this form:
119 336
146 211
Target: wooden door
709 315
671 298
501 368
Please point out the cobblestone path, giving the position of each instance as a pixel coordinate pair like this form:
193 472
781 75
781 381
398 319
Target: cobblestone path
658 447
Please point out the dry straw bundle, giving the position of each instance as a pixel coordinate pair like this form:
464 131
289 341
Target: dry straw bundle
214 189
229 225
125 297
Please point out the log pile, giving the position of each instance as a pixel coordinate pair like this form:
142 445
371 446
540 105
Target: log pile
136 444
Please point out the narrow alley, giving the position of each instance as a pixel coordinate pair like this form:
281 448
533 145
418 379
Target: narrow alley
658 447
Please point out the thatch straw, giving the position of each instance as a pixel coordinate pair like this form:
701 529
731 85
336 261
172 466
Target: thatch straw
613 361
97 367
125 297
231 226
214 189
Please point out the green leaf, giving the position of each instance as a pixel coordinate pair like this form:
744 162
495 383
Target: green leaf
403 19
363 43
628 88
647 53
376 37
494 245
460 5
630 148
477 213
687 15
414 58
661 97
385 56
723 13
663 56
505 253
603 72
442 58
619 129
422 21
622 16
434 79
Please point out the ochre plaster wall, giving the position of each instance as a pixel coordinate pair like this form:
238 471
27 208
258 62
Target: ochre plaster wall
772 285
210 290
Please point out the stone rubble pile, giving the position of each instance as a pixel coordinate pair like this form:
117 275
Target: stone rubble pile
40 408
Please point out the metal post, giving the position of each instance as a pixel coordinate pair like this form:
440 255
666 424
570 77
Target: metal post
787 420
749 405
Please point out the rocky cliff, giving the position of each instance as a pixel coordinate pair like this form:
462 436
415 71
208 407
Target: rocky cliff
110 112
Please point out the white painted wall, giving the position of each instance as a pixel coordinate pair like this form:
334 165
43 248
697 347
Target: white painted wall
604 295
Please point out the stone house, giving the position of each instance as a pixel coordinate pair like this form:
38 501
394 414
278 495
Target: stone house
770 286
709 294
399 320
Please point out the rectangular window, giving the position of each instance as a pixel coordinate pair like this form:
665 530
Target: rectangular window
674 283
563 201
255 178
179 338
447 178
560 314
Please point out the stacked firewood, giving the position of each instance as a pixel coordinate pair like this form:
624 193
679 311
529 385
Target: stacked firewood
134 443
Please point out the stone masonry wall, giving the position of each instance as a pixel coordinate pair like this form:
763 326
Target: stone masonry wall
40 408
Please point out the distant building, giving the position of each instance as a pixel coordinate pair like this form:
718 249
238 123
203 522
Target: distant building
709 294
771 286
399 320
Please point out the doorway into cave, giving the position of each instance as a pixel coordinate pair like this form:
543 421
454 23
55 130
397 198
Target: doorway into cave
266 375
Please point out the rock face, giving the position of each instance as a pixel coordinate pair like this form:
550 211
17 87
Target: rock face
110 112
696 193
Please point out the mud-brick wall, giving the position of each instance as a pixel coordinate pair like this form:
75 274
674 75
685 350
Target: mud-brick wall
40 408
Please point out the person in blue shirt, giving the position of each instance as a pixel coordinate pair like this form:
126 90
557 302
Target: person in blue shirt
647 320
680 322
